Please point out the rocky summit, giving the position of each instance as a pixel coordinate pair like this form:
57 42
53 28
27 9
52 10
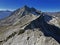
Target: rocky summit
29 26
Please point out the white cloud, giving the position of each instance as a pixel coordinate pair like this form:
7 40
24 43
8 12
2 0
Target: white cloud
7 9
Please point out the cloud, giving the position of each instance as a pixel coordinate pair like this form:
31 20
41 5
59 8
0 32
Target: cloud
7 9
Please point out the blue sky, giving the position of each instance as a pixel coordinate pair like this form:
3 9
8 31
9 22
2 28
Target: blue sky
43 5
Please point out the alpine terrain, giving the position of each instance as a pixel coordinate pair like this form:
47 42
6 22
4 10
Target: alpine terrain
29 26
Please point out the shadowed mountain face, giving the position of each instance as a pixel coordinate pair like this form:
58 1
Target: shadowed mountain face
28 26
48 29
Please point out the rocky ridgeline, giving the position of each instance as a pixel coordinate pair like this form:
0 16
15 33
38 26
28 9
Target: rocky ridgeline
28 26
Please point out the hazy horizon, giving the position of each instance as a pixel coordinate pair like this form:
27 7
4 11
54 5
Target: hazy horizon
43 5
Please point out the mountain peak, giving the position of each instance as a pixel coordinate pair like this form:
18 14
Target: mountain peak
29 8
26 7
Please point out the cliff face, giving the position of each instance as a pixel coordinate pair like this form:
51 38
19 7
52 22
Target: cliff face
28 26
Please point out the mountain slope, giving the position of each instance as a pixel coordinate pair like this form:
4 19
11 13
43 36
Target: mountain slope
48 29
18 14
28 26
37 32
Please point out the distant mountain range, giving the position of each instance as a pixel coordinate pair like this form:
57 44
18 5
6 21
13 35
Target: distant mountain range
4 14
57 14
29 26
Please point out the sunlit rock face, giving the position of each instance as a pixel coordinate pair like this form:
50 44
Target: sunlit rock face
28 26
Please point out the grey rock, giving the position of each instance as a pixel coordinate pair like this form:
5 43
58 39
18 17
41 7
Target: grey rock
28 26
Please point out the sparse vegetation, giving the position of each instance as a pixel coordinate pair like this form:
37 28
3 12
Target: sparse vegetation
13 34
21 31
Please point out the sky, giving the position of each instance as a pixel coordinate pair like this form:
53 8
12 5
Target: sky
43 5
